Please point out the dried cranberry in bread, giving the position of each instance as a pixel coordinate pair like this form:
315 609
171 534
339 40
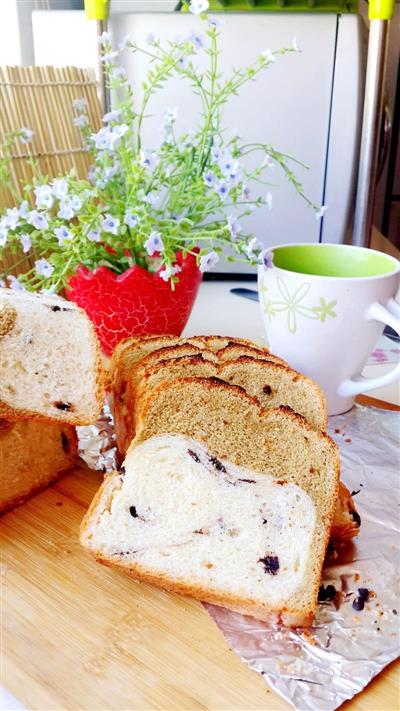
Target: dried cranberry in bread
32 455
50 360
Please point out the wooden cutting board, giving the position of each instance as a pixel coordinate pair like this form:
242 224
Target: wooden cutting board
78 635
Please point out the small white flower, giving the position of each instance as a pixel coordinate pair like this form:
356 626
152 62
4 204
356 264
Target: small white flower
149 160
2 283
222 189
208 261
44 196
94 236
65 211
124 43
108 57
217 153
183 62
209 179
233 226
105 38
268 55
266 257
25 134
227 164
38 220
130 219
14 283
63 234
150 38
12 218
167 135
151 198
24 209
196 39
246 194
75 202
170 115
110 224
112 115
80 121
79 105
214 22
166 273
198 6
118 131
253 247
103 139
3 233
268 201
59 187
321 212
44 268
26 243
154 244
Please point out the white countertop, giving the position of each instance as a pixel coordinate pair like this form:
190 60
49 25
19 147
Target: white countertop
217 311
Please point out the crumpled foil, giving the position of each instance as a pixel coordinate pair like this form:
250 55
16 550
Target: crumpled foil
97 445
320 668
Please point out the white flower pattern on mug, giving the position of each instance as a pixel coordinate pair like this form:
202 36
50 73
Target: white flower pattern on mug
292 305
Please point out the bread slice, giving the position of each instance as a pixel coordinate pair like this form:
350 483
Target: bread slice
235 496
50 360
273 384
33 454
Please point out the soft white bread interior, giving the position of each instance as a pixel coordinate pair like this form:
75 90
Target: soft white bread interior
186 520
234 432
33 454
50 360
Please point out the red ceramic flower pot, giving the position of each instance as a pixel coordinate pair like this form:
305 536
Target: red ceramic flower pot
136 302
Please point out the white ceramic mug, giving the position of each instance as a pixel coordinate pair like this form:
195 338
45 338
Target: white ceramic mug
324 307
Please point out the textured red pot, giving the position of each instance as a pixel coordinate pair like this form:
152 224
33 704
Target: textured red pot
136 302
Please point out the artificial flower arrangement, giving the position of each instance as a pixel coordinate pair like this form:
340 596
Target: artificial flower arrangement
130 242
154 208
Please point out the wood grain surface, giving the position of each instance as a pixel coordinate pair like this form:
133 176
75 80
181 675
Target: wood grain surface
77 635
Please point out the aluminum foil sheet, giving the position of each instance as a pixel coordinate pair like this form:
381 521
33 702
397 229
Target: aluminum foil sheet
97 446
320 668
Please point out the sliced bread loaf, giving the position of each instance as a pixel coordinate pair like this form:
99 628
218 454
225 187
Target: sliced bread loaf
50 360
33 454
234 508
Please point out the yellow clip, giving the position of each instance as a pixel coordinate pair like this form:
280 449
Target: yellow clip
381 9
96 9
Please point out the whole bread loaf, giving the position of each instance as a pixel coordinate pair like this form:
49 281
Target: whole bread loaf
33 454
50 360
240 459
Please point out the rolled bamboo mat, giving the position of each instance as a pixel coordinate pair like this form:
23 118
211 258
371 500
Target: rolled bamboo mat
40 98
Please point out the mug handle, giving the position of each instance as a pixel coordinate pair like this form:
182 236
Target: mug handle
390 316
